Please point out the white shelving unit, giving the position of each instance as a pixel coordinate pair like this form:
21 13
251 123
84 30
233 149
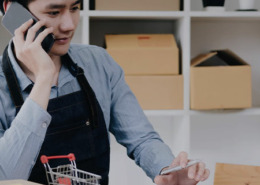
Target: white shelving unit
230 136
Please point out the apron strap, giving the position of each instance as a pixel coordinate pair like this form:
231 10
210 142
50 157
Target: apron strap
12 81
78 72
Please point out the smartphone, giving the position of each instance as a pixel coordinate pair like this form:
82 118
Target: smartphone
177 168
16 15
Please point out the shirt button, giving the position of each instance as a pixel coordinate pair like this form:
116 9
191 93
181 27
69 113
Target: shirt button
44 125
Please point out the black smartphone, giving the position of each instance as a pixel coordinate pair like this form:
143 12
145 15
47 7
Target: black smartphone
16 15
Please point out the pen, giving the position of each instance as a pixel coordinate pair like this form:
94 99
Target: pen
177 168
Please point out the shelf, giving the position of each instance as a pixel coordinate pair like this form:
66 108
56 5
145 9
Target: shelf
164 112
202 15
135 14
232 112
173 15
241 112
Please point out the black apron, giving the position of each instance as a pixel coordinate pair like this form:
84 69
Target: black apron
77 126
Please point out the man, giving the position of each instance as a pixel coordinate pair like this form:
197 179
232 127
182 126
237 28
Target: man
66 101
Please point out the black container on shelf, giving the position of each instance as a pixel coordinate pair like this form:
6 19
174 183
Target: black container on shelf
207 3
91 4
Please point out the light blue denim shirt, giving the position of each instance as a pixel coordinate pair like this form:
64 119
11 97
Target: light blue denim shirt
21 136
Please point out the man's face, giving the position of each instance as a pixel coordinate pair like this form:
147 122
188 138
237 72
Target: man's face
63 16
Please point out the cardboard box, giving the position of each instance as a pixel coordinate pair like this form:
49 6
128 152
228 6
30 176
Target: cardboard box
157 92
225 86
233 174
165 5
146 54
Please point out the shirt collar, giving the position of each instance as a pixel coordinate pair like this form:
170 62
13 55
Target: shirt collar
23 80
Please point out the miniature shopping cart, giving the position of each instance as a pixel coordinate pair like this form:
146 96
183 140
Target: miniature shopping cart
68 174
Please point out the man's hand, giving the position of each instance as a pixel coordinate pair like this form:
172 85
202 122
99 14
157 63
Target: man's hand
187 176
34 61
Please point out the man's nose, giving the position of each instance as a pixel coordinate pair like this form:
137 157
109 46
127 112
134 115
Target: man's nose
67 23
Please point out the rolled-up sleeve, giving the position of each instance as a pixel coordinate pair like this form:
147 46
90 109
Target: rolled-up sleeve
21 142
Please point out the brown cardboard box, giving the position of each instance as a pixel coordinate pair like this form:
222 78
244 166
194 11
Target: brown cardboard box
233 174
145 54
157 92
227 86
165 5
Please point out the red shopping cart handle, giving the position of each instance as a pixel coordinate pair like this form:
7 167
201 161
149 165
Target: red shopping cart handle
45 159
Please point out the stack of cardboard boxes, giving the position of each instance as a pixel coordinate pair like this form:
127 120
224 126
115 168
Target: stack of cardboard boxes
151 66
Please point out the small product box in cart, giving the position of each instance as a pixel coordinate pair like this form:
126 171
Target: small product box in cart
68 174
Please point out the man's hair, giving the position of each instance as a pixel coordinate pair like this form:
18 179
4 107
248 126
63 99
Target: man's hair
22 2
